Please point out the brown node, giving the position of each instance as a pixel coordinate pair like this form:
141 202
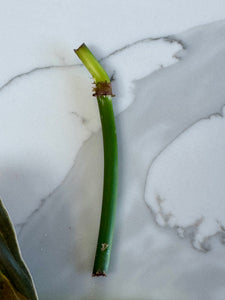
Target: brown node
103 88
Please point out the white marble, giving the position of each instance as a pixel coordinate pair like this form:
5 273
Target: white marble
51 157
185 186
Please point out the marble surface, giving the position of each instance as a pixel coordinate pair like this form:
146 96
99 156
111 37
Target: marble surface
167 61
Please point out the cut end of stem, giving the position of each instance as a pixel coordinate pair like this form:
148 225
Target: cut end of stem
99 273
81 46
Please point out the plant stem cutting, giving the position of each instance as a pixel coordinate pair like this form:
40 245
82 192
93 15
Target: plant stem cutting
103 92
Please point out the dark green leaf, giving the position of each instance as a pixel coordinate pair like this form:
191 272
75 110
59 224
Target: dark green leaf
15 279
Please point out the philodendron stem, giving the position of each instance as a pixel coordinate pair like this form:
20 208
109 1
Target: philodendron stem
104 95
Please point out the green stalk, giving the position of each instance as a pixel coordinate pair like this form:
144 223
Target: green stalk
104 95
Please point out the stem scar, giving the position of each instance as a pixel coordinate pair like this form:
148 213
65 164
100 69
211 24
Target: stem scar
104 246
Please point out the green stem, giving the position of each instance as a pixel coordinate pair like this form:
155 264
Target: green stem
104 97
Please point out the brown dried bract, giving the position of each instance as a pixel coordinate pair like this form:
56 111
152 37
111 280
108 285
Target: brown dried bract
103 88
